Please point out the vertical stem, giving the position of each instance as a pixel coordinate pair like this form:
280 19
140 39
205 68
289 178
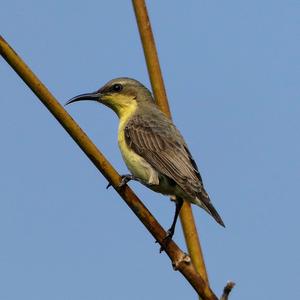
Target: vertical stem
186 215
190 234
151 56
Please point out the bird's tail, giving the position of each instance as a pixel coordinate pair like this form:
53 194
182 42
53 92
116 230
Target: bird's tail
206 204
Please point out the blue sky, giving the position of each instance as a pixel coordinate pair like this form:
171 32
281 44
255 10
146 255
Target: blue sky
231 70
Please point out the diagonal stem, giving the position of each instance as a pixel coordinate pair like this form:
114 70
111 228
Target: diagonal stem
180 261
186 215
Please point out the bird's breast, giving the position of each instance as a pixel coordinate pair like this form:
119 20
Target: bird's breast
134 162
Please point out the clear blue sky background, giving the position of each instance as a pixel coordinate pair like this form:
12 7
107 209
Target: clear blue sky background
232 73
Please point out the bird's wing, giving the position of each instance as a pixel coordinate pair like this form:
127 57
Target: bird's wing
159 142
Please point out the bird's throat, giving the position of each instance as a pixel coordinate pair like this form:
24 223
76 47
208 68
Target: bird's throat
126 111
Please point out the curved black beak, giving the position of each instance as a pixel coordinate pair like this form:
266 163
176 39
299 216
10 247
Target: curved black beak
96 96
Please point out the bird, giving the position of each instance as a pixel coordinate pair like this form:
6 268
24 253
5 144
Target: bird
151 146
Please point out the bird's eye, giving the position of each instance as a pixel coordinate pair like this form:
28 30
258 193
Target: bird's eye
117 87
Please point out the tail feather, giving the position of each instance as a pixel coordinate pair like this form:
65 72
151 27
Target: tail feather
206 204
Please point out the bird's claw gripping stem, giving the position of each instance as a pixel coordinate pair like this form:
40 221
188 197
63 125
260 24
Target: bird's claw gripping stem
166 239
125 179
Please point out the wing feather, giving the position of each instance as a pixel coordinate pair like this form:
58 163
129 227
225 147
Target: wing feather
159 142
161 145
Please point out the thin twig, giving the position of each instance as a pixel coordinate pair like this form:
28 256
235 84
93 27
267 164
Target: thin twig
160 95
179 259
227 289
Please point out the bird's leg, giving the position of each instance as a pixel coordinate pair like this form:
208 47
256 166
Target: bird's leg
179 203
125 178
171 230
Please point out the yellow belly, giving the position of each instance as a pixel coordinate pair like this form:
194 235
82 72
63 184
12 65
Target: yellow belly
135 163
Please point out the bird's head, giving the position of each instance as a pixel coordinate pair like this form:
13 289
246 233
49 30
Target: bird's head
119 94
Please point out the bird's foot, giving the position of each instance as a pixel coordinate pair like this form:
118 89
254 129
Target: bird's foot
125 179
166 239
